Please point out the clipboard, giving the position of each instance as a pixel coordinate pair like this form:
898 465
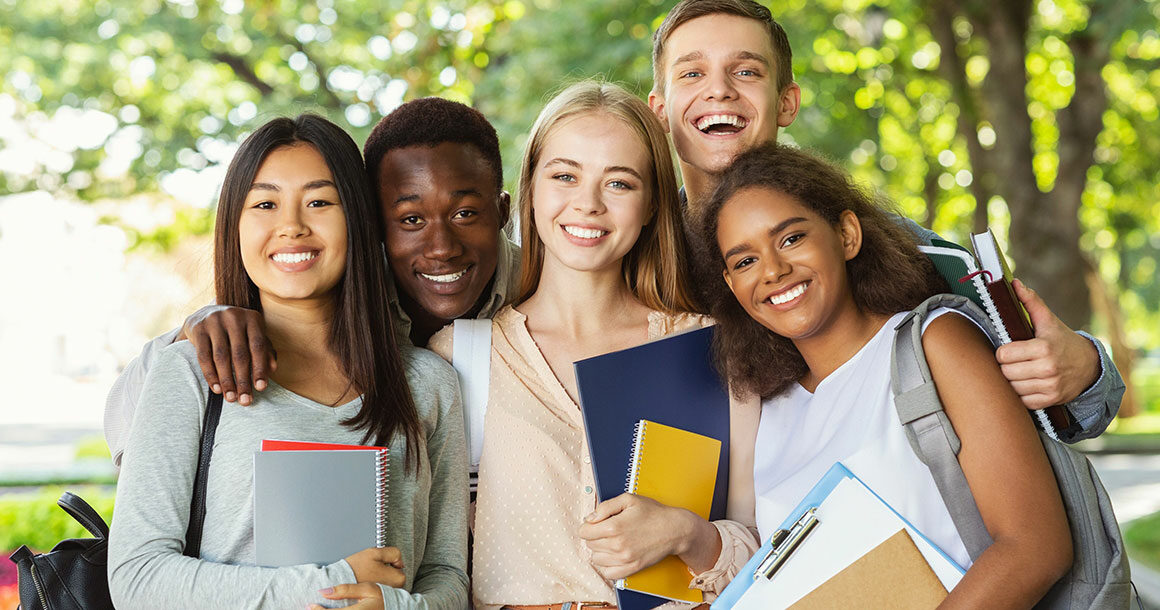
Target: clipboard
839 521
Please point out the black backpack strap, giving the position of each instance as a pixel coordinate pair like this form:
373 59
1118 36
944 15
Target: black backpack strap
213 413
84 514
927 427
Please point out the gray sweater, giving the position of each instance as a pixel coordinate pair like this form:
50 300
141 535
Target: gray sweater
426 512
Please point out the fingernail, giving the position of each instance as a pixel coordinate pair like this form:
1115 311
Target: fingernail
326 591
245 400
260 384
230 396
217 388
590 517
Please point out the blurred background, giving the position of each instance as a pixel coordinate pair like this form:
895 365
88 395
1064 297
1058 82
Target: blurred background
118 118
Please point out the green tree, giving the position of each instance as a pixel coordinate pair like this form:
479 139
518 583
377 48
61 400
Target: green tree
1033 117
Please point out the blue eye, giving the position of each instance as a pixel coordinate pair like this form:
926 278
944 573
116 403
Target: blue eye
563 177
620 185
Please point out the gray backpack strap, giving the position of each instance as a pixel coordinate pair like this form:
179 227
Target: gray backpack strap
1100 576
471 357
926 425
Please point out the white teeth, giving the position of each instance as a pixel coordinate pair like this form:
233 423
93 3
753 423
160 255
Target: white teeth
295 257
584 233
788 295
721 119
446 278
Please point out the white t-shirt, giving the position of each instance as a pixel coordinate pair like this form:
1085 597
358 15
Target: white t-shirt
850 418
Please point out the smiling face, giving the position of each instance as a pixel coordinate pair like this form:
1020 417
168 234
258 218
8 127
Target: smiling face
292 228
784 263
443 212
720 94
591 193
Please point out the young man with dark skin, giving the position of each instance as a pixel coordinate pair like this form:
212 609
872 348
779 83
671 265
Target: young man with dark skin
436 167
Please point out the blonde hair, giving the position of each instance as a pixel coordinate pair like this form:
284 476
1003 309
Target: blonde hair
654 269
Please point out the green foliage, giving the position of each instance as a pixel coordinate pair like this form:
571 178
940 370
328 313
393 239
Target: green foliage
1142 537
35 519
93 447
182 80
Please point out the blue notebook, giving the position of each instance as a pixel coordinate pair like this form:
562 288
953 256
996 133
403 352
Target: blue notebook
670 381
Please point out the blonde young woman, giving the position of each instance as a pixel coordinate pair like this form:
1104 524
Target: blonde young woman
603 265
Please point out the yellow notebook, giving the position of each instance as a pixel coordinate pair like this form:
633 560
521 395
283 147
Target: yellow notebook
677 468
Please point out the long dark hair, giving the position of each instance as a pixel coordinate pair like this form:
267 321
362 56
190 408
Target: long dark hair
887 276
361 336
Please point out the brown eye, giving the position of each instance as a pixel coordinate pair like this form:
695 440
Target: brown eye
745 262
792 239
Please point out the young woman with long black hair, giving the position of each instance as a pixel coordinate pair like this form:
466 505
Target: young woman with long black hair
297 238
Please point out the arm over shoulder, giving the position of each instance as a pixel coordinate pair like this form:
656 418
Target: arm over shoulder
1096 406
126 393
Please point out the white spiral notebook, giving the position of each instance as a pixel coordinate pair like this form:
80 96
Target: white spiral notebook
318 506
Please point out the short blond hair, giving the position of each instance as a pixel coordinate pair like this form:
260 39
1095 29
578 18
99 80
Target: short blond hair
688 10
654 269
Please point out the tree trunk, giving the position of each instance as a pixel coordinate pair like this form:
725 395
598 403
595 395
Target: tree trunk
1045 231
953 69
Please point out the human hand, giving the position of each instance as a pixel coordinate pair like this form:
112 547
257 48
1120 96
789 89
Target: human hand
368 595
378 565
232 349
1053 368
629 533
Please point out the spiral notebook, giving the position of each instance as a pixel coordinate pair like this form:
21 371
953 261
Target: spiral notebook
678 468
318 506
986 280
670 381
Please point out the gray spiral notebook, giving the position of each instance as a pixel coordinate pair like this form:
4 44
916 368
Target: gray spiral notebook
318 506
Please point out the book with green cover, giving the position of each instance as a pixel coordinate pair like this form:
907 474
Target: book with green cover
986 280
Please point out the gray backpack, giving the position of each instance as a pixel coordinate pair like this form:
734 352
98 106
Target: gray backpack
1099 576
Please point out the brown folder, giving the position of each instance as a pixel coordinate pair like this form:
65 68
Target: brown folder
893 576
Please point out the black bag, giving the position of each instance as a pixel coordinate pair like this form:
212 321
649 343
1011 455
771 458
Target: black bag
74 574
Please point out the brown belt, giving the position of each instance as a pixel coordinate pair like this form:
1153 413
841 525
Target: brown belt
565 606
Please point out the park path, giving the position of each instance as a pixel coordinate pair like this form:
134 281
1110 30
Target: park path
1133 482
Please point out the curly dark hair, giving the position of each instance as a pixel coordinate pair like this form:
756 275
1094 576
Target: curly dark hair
431 121
887 276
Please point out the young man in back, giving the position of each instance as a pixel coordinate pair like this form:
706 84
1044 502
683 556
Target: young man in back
435 166
723 83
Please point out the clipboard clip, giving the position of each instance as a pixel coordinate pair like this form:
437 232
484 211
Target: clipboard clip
785 542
